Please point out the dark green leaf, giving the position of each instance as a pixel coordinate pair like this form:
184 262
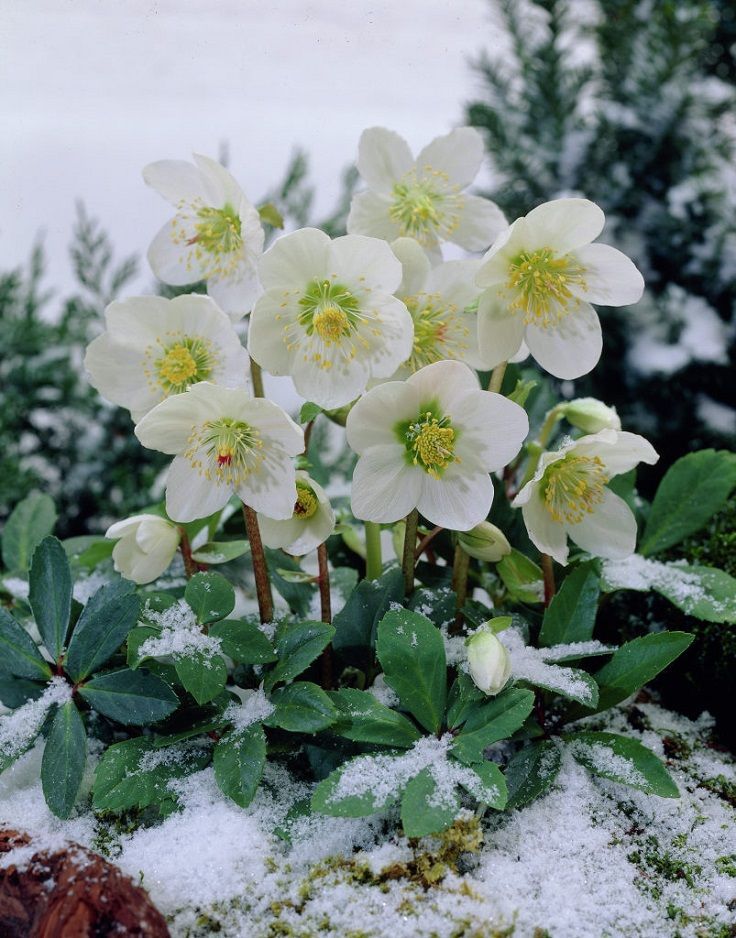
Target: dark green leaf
297 646
203 676
412 654
490 722
50 594
21 727
622 760
89 550
489 786
297 595
572 683
369 721
327 798
243 641
532 771
356 624
704 592
214 552
136 773
464 694
64 759
423 811
238 761
131 697
18 653
29 523
636 663
210 596
570 617
693 489
136 638
302 707
102 628
15 691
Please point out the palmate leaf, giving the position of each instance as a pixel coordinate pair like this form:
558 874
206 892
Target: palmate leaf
243 641
330 796
50 594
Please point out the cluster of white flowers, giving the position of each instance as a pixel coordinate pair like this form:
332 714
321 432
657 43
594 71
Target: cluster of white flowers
377 322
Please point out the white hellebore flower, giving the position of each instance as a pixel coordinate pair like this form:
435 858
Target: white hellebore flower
429 443
423 198
146 546
438 299
568 495
154 348
312 522
327 317
216 234
543 273
224 441
488 661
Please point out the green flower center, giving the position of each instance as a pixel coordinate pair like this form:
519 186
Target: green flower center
218 230
572 487
306 504
425 208
330 315
438 334
232 449
430 443
541 282
188 360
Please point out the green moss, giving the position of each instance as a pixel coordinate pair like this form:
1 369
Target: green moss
722 787
727 864
715 545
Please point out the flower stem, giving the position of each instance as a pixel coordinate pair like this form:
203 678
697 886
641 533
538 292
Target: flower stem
373 561
410 543
260 570
190 564
537 447
549 579
460 567
497 377
426 541
326 613
256 376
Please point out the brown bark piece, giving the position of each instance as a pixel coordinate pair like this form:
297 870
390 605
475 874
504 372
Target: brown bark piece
72 893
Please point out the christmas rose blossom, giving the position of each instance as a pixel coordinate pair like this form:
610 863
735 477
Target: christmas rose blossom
312 522
146 545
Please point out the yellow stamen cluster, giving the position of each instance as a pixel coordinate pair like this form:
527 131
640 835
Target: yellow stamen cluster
225 451
427 207
306 504
431 442
179 361
573 486
439 332
541 283
331 323
217 242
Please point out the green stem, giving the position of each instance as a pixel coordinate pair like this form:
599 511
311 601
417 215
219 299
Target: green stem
326 611
410 543
260 570
460 567
537 447
373 561
497 377
256 376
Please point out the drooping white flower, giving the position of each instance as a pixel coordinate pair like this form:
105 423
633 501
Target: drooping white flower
542 274
327 317
216 234
146 545
569 495
224 441
429 443
488 661
154 348
312 522
423 198
438 299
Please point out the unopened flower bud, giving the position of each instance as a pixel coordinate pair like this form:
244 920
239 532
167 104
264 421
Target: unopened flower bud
484 542
488 661
591 415
146 546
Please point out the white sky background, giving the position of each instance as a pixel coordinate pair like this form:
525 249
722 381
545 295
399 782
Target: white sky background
92 90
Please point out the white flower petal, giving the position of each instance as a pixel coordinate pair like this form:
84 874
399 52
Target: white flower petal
620 454
385 487
169 425
547 535
221 187
386 336
448 382
279 534
415 266
458 500
500 331
129 525
175 180
458 155
172 261
572 347
455 282
367 423
271 488
494 268
480 222
383 158
274 425
608 531
610 277
266 341
564 225
295 260
236 294
329 387
491 429
364 263
369 216
116 371
188 494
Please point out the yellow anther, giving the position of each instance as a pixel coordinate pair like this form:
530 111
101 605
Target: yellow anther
573 486
541 282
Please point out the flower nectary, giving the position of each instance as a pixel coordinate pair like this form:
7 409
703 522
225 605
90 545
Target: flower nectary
225 451
183 361
426 208
541 282
573 486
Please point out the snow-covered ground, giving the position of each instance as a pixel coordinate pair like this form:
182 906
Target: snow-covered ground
94 90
